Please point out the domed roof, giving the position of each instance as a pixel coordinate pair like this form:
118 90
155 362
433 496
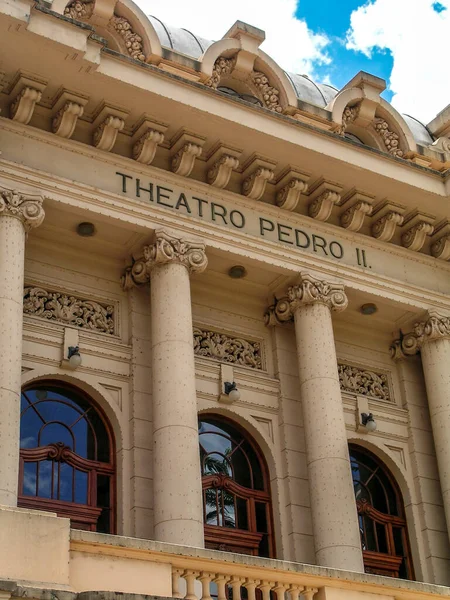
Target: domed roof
180 40
419 131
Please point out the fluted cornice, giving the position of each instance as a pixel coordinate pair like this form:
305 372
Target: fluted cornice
164 250
25 207
308 291
435 327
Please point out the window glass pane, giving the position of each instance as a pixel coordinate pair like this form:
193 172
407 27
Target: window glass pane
368 525
212 513
55 433
382 538
261 517
45 479
264 546
81 487
29 478
241 467
215 463
398 541
242 514
227 508
379 497
66 474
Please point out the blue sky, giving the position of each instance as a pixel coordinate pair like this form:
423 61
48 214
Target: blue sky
403 41
345 62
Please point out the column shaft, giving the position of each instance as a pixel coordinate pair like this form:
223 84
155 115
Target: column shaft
12 252
178 505
436 367
335 520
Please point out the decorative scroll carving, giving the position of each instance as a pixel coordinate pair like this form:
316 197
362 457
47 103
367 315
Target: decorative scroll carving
183 161
289 195
65 120
353 218
384 228
166 249
415 236
71 310
80 9
435 327
133 42
28 209
219 174
321 207
144 149
255 184
390 139
222 66
269 94
23 106
106 133
441 248
308 291
221 346
363 382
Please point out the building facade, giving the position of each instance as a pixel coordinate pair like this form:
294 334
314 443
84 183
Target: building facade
224 320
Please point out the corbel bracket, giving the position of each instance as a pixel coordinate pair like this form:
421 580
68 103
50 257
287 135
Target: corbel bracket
323 196
290 186
417 226
185 148
26 92
109 121
356 205
67 108
146 139
387 216
440 242
257 172
221 162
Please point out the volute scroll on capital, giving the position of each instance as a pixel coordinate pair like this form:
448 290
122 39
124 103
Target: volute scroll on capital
164 250
308 291
435 327
25 207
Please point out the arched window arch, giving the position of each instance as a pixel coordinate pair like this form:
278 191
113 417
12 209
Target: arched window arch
237 509
67 456
381 514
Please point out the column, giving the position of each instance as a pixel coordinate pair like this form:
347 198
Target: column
19 213
178 503
432 338
335 519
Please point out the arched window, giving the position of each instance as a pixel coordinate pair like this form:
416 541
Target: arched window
236 494
66 456
382 523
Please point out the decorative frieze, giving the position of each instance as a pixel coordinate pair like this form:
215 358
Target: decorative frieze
79 9
363 382
222 66
223 347
348 116
65 308
391 140
25 207
133 42
270 95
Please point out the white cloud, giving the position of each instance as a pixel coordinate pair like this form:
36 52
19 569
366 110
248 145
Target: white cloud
417 35
288 40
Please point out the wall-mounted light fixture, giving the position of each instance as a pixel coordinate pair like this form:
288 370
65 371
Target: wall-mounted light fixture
230 392
74 357
368 421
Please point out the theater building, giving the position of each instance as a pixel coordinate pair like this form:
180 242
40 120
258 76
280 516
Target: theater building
224 320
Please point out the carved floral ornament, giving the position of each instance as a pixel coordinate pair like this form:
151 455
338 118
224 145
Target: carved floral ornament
64 308
27 208
308 291
258 81
133 43
226 348
166 249
435 327
363 382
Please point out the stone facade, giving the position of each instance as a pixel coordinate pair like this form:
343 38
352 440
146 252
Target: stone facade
152 222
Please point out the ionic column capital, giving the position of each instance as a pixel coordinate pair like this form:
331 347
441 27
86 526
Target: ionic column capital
25 207
308 291
166 249
435 327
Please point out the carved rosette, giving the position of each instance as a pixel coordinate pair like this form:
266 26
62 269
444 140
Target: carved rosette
219 174
269 94
391 140
166 249
321 207
435 327
65 120
309 291
222 66
255 184
106 133
28 209
144 149
133 42
289 195
80 9
184 159
384 228
22 108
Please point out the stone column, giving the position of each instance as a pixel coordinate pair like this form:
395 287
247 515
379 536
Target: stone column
19 213
432 338
178 504
335 519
